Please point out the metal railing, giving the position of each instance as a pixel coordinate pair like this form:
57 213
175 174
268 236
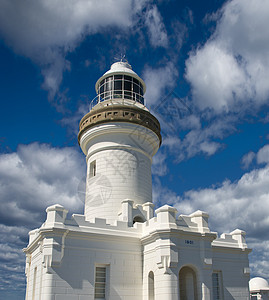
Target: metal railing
117 95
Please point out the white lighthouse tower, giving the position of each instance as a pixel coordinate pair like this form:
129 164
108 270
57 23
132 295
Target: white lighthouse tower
119 137
120 248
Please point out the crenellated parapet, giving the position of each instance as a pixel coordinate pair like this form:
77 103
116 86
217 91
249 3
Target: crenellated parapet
235 239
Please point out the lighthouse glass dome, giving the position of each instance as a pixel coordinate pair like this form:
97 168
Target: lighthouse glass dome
120 82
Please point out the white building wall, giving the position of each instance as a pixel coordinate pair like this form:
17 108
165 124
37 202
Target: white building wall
169 248
74 278
66 252
233 264
123 153
39 283
178 255
120 174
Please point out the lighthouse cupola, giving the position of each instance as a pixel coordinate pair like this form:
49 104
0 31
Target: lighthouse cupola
120 82
119 137
119 85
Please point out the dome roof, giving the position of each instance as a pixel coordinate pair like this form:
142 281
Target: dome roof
258 283
120 67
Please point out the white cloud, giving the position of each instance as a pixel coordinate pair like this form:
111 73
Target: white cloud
209 148
243 204
216 78
191 121
156 28
263 155
159 166
204 139
12 259
162 195
184 132
158 80
247 159
196 136
45 31
232 68
171 142
35 177
240 204
259 262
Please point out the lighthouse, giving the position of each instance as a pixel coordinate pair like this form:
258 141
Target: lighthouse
122 248
119 137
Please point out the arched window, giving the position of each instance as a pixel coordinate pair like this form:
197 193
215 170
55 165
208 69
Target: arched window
187 284
151 286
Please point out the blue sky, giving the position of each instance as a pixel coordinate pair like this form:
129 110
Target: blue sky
206 67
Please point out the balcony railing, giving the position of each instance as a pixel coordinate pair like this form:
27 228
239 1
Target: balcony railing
117 95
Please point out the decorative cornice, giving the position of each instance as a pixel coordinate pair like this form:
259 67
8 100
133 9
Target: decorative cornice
119 113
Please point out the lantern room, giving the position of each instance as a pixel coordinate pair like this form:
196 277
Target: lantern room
120 82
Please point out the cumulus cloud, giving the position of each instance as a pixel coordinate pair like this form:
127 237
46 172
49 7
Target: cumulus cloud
34 177
186 131
217 79
259 262
242 204
12 259
232 68
227 76
46 31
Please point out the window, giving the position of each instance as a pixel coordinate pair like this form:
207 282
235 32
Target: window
101 88
217 285
100 282
93 168
108 87
121 86
118 88
151 285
